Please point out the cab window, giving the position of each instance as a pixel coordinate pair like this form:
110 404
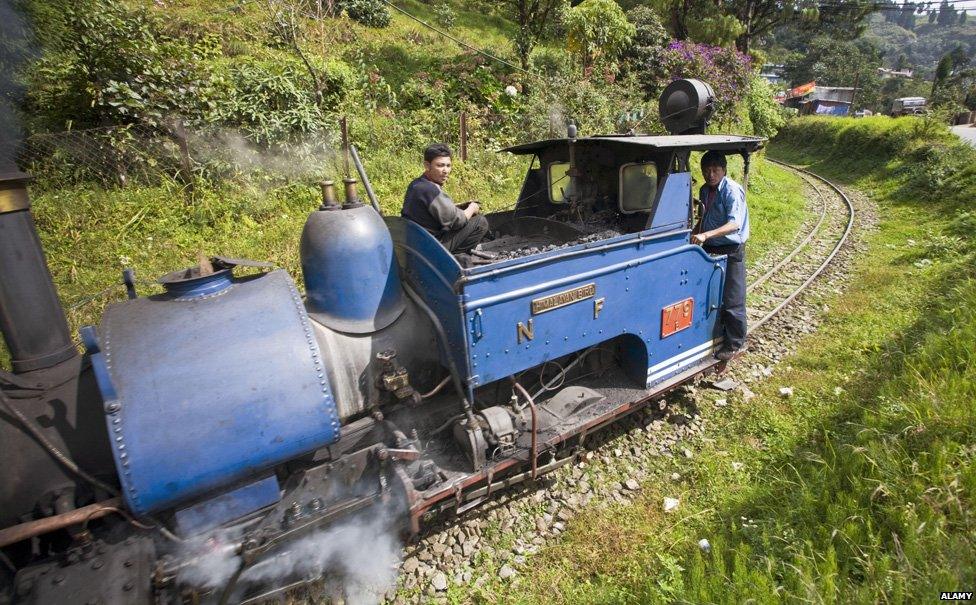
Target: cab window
559 182
638 187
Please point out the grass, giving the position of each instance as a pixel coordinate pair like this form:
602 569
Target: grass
859 487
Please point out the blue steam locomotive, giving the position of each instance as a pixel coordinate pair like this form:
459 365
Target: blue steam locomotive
232 414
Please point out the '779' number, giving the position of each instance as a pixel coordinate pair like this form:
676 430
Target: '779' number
677 317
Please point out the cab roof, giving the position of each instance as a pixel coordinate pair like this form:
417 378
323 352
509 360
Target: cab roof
685 142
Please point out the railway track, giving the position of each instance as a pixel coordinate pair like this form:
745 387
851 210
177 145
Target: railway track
789 277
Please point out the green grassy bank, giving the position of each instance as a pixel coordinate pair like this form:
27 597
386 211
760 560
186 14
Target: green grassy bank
859 488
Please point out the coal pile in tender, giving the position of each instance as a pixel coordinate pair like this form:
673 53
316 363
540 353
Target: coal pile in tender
510 246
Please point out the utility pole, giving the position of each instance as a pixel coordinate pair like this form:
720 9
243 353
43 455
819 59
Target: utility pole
857 78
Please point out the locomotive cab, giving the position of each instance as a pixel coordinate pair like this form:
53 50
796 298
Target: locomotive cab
588 254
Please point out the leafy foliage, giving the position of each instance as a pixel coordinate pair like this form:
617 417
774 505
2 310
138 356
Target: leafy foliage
765 113
371 13
716 29
115 65
598 31
270 102
445 15
534 18
644 57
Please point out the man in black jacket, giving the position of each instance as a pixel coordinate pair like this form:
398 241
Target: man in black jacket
426 204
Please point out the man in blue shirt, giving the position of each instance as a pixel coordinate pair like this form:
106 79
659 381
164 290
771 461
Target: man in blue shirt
426 204
724 229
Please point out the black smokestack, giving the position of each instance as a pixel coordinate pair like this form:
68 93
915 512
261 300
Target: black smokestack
31 317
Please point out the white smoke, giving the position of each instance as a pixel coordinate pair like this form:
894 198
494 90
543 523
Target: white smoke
359 559
16 48
363 556
557 120
315 155
213 559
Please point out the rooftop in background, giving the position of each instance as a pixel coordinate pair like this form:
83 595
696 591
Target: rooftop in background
773 73
687 142
895 73
822 93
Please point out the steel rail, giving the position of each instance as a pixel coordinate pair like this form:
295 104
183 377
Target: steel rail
833 252
763 278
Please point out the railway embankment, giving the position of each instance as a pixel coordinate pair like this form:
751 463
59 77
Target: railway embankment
840 466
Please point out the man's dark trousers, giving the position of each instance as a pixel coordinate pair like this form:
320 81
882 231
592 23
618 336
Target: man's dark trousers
466 237
734 295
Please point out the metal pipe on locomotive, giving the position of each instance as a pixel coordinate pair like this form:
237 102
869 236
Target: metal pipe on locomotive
232 406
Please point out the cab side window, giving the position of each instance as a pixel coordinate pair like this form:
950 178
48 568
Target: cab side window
638 187
559 182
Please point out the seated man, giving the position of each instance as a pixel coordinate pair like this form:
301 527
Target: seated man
724 229
426 204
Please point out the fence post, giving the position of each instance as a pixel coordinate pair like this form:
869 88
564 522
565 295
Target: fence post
178 132
464 136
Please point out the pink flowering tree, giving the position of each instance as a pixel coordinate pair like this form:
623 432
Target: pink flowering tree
726 70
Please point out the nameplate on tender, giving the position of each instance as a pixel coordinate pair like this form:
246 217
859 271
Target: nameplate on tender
554 301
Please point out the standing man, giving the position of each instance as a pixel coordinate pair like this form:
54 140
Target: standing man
724 229
426 204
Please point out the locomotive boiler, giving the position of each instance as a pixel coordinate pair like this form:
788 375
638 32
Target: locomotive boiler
238 413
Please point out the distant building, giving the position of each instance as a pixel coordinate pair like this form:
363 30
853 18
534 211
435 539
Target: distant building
894 73
821 100
773 73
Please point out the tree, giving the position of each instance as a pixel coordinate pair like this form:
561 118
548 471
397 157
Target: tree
645 55
533 18
962 17
650 39
717 30
677 14
941 73
598 30
902 62
842 19
946 15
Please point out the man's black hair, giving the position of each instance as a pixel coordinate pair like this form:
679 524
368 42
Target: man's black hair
437 150
714 158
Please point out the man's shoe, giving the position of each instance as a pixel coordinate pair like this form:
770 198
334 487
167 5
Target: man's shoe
726 354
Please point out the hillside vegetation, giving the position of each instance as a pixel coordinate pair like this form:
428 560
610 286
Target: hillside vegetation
858 488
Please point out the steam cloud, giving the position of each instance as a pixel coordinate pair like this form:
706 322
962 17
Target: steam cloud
362 556
16 47
315 155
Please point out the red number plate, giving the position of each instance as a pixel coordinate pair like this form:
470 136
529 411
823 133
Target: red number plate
677 317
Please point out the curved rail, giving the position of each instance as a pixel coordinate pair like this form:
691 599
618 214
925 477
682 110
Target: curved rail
820 269
765 276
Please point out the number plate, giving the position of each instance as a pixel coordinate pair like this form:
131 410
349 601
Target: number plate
677 317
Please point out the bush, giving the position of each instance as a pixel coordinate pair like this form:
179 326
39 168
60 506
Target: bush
765 113
598 31
644 55
270 101
371 13
445 15
115 65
